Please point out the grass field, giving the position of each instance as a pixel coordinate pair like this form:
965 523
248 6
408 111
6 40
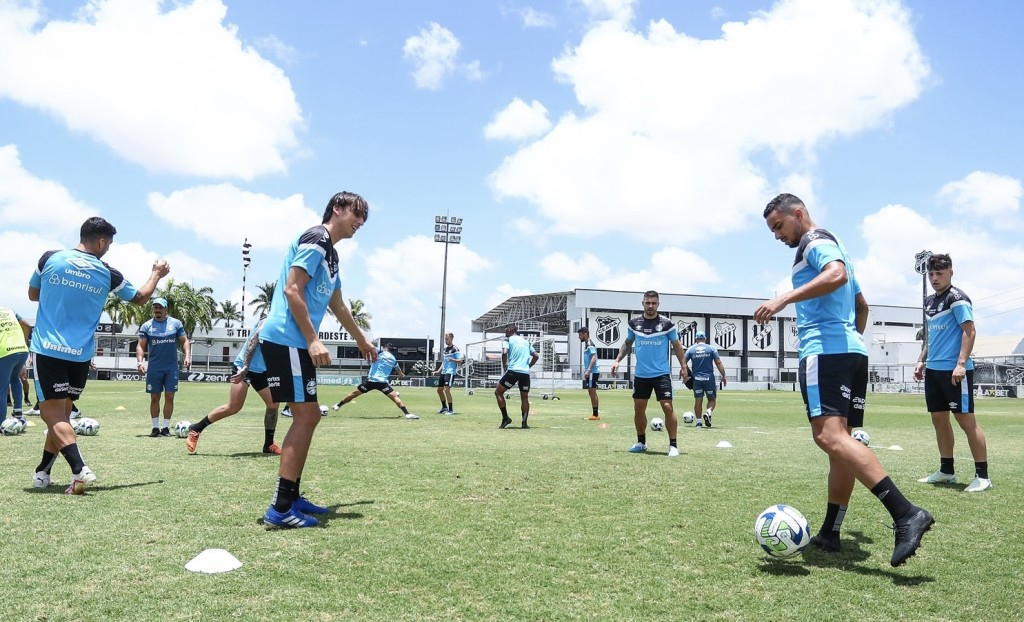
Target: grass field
449 518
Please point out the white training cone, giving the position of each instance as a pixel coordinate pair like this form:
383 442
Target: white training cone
119 408
895 448
212 561
724 444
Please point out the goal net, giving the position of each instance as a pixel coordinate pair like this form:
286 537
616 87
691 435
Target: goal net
482 368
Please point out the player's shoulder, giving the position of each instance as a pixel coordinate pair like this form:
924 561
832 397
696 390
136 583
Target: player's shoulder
815 238
958 295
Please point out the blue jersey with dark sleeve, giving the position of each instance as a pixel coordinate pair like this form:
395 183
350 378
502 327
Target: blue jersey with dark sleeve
382 367
452 356
702 357
162 342
945 313
256 364
519 352
652 343
73 287
314 252
589 354
826 324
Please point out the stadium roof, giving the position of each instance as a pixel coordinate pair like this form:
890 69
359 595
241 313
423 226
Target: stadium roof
550 309
998 345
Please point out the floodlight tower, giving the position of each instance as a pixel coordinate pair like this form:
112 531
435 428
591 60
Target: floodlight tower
447 230
246 247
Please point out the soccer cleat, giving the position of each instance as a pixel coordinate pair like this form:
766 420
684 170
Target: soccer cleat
192 441
939 477
979 484
909 531
155 433
86 476
525 426
287 412
827 542
411 416
442 410
75 413
165 432
32 411
76 487
41 479
673 452
505 422
594 418
291 518
306 506
337 406
272 449
707 419
449 412
637 448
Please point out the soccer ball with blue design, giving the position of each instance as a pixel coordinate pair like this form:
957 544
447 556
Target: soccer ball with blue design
181 429
88 426
688 417
782 531
657 424
862 437
11 427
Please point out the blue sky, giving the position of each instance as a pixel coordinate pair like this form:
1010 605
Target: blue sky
611 144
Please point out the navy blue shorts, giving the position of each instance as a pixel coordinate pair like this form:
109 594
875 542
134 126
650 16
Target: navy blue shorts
941 395
291 375
835 384
511 378
660 386
591 383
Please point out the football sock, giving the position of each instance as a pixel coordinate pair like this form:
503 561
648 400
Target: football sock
672 442
444 404
74 407
287 491
201 425
834 515
74 457
405 410
167 423
504 412
156 422
981 469
891 498
451 406
946 466
595 411
47 462
525 415
641 438
268 438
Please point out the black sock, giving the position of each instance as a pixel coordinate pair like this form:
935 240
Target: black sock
451 406
405 410
504 412
892 498
672 443
641 438
201 425
287 491
981 469
47 462
74 457
834 515
525 415
268 439
946 466
444 404
595 411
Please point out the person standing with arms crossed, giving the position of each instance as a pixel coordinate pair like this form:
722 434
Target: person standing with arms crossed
946 367
831 315
309 283
517 357
71 287
160 335
701 354
654 336
591 373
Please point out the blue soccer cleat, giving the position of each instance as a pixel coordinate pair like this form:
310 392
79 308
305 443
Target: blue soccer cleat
291 518
306 506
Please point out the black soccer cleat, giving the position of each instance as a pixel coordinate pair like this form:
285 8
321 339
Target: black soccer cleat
505 422
155 433
909 531
827 542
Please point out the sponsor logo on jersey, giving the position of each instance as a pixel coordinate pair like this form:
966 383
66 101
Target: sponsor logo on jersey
56 347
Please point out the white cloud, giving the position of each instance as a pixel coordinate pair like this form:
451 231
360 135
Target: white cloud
614 10
434 54
280 50
667 124
582 272
671 270
984 195
519 121
532 18
503 292
210 211
28 202
172 90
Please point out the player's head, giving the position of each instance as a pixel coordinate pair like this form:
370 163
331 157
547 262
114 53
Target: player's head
700 336
350 209
159 309
584 333
786 216
449 338
97 235
389 347
511 330
651 302
940 272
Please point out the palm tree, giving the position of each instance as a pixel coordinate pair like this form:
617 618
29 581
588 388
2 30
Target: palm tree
228 311
193 307
359 313
261 303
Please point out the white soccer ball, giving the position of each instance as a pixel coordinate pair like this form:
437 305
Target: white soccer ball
862 437
88 426
782 531
323 410
470 392
11 427
76 424
181 428
657 424
688 417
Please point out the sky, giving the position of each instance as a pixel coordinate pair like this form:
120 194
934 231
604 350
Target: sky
611 144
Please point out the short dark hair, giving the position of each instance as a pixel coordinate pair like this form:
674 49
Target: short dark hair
512 327
785 203
583 329
389 346
940 262
651 294
347 200
95 228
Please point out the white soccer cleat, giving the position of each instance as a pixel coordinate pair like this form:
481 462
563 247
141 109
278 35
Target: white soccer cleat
637 448
41 479
86 476
978 485
411 416
939 477
673 452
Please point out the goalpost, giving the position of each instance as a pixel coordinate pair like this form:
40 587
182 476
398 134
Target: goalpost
482 365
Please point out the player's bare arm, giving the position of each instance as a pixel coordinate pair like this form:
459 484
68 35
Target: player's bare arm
966 347
681 356
831 278
160 269
861 309
344 315
627 347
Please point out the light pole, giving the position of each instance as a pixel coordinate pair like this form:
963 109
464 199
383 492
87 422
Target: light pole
921 265
245 268
447 230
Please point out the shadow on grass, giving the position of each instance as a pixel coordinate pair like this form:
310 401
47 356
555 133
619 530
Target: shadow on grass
59 489
324 520
850 558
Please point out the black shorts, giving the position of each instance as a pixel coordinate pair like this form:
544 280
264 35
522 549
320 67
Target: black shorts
370 385
291 375
941 395
835 384
255 379
661 386
591 383
511 378
445 380
58 379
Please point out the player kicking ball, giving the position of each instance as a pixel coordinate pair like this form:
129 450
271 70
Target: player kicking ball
377 379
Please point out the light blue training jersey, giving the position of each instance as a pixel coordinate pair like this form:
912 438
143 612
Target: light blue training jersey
652 344
382 367
256 364
826 324
702 357
162 342
945 313
452 356
589 354
313 252
73 287
519 352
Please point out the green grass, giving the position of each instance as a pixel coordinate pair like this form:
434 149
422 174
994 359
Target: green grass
449 518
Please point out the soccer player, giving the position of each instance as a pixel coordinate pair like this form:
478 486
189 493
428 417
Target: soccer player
947 369
13 355
248 370
71 287
160 336
517 357
591 373
448 367
653 336
831 315
309 283
377 379
704 358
